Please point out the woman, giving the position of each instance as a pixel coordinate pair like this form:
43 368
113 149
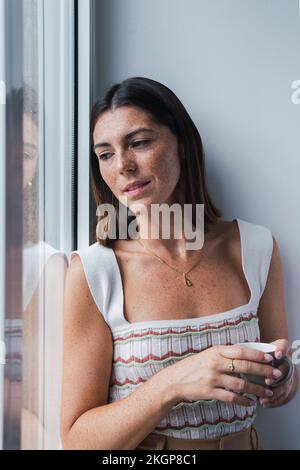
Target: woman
150 360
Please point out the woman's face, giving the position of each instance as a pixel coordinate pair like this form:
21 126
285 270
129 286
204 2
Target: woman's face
149 155
30 141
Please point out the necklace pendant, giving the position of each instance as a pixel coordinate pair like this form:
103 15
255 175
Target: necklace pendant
187 281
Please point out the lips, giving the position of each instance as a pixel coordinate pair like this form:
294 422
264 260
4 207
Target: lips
137 184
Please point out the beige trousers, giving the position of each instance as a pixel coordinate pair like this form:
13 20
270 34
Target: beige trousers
247 439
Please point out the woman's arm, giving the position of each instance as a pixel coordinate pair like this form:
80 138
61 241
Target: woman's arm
125 423
87 420
273 324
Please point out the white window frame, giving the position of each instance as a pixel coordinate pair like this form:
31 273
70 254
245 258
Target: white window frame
84 98
2 211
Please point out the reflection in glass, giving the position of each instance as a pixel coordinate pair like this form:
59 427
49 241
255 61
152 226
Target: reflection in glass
33 337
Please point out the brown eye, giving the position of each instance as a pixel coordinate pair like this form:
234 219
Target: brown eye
139 143
103 156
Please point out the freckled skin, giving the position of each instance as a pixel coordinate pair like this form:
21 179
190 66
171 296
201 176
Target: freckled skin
158 161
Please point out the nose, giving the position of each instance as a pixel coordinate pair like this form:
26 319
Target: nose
126 161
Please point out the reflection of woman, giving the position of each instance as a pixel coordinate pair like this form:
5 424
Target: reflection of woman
43 279
20 333
150 326
43 271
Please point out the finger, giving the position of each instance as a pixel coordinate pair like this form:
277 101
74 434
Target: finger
264 402
231 397
283 347
239 385
270 381
279 391
277 399
250 367
271 401
284 368
242 352
275 396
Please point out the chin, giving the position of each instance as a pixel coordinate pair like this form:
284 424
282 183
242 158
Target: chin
144 202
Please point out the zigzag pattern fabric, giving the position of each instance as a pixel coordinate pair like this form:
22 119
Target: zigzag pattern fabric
140 354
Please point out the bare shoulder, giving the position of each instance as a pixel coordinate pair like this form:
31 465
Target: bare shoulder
79 298
76 283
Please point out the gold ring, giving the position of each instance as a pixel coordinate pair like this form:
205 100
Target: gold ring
231 366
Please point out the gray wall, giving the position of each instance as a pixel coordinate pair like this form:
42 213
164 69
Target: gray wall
231 63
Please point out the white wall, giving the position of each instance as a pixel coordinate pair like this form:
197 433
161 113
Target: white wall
232 64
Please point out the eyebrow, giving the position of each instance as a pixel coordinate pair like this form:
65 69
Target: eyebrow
126 137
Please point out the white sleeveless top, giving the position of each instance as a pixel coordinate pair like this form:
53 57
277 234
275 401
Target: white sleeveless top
141 349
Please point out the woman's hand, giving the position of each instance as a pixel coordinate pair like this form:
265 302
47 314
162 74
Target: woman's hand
207 375
280 393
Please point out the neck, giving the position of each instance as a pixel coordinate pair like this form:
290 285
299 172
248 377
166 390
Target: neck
165 235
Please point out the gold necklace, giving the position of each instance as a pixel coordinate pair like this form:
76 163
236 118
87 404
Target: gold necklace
185 278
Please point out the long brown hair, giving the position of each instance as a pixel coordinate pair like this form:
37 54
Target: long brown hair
166 109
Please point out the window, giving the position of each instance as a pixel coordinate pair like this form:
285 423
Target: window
37 156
